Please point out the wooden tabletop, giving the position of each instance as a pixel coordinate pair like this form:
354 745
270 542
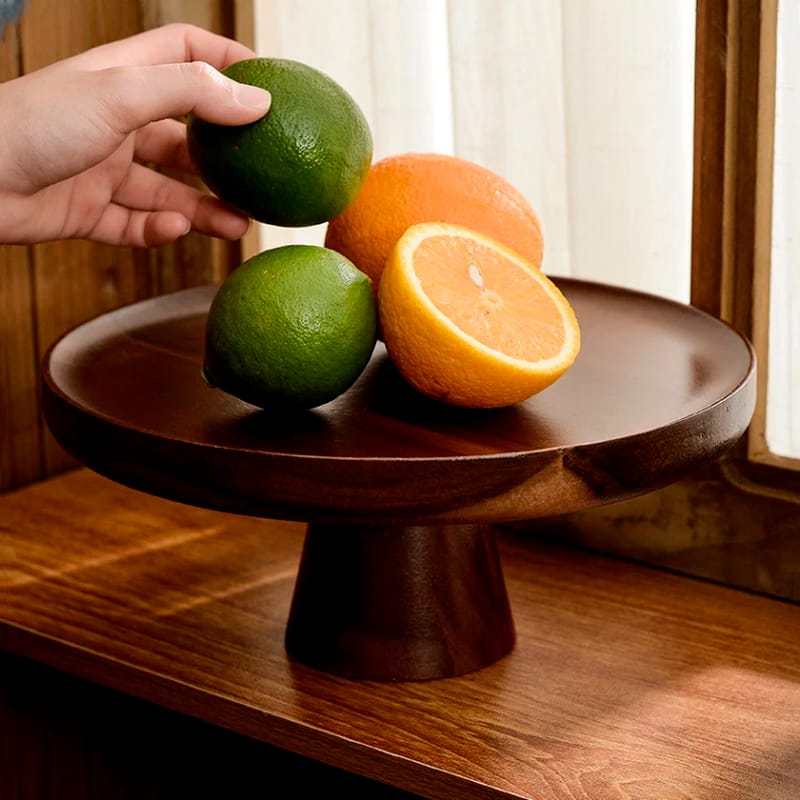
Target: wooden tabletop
625 683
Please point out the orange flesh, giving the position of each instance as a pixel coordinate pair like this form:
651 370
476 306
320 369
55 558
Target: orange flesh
489 297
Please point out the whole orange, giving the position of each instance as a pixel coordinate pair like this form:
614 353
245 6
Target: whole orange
409 188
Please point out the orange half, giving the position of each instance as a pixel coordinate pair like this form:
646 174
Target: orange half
470 322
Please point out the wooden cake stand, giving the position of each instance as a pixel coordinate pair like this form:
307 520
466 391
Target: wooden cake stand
399 577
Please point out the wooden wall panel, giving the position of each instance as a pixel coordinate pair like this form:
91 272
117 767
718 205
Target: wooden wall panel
76 280
20 452
51 287
20 447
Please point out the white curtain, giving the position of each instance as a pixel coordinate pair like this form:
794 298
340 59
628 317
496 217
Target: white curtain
585 105
783 384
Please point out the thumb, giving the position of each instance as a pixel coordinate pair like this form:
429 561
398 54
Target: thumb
147 94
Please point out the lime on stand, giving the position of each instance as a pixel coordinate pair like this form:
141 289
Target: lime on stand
291 328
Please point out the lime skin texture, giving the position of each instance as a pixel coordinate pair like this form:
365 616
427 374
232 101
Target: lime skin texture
302 163
291 328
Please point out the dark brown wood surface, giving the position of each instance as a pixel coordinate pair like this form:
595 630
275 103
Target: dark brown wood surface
399 603
658 388
625 682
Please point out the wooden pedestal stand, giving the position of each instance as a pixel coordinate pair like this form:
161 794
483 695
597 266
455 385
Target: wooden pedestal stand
399 578
405 603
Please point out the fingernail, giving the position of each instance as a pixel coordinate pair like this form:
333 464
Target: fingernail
253 96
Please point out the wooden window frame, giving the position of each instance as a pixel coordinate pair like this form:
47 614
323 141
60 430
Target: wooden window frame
733 188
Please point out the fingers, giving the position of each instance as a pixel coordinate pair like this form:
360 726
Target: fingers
122 226
164 143
127 227
58 128
136 96
167 44
169 72
147 191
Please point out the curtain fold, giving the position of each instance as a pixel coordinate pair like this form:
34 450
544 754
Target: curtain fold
783 387
585 105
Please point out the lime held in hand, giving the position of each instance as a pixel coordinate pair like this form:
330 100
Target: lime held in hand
291 328
302 163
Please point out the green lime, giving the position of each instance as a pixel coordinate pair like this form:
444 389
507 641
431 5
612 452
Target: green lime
302 163
292 328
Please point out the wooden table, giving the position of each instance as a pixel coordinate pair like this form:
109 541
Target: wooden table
144 649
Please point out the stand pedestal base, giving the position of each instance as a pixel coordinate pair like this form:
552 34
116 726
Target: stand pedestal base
399 603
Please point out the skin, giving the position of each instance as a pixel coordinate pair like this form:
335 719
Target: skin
80 137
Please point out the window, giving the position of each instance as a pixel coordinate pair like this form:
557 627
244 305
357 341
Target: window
643 134
782 423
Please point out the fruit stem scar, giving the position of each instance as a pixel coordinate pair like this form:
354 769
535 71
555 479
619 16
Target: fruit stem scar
475 275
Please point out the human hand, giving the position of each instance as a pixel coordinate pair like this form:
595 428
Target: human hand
77 137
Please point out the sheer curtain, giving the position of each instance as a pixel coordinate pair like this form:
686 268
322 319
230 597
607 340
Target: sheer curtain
585 105
783 387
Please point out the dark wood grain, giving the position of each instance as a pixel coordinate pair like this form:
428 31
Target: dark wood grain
20 421
657 388
625 682
710 119
399 603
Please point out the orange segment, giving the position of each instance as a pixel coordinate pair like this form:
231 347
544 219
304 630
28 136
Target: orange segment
470 322
489 297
